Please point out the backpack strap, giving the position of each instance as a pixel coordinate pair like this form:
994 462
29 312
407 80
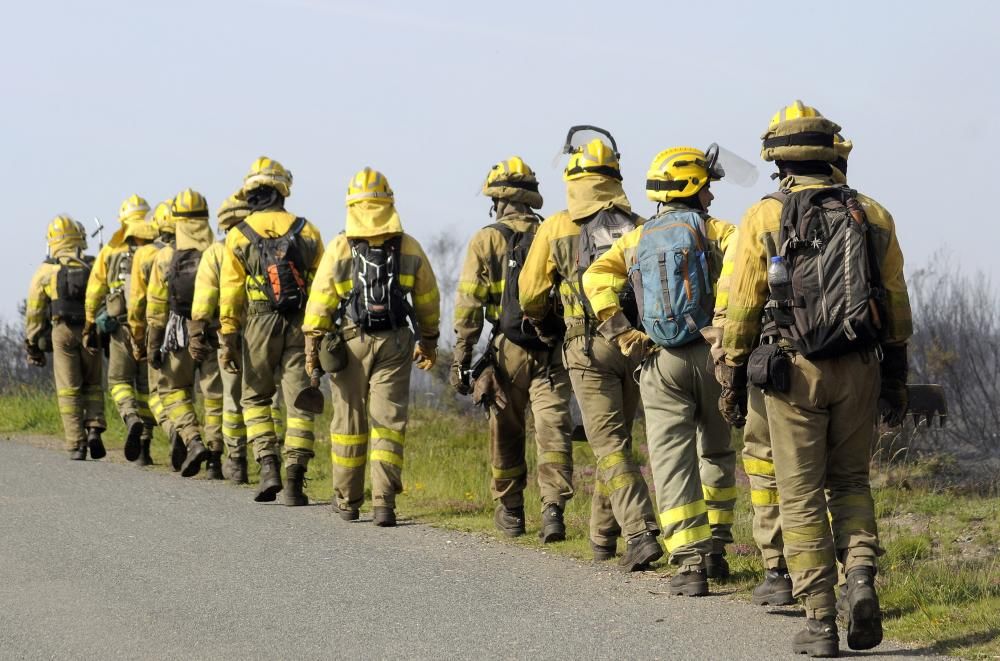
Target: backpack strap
297 226
249 232
508 232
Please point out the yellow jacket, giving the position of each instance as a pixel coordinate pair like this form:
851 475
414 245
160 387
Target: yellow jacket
607 276
482 280
106 276
43 291
237 285
142 265
758 239
335 280
206 285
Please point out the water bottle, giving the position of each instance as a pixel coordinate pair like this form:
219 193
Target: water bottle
780 284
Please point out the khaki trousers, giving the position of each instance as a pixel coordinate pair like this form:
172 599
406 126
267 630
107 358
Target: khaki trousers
234 431
759 466
608 395
128 381
370 399
176 390
78 384
690 453
273 345
155 404
823 430
539 380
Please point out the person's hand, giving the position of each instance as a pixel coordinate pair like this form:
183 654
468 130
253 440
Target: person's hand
543 333
425 355
36 357
312 354
230 352
633 344
154 345
893 398
459 377
199 340
734 395
91 341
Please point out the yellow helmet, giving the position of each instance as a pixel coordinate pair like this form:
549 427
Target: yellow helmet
64 232
132 207
189 203
139 228
268 172
232 212
368 184
799 133
162 219
843 147
679 172
592 159
513 180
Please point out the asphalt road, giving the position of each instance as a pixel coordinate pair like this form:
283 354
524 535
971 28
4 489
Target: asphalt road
102 560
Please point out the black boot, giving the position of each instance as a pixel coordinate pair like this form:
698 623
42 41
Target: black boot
145 459
384 517
775 589
691 582
270 480
235 469
818 639
79 453
640 551
553 527
345 513
509 521
96 444
864 617
133 435
197 453
213 466
295 476
603 553
716 566
178 452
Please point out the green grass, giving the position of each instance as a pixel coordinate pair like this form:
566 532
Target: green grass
939 579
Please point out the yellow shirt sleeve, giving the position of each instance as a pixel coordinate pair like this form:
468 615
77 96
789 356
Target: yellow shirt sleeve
538 273
232 287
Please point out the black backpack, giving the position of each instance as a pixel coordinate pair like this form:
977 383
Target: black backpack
71 292
181 276
280 266
835 303
377 301
596 237
511 322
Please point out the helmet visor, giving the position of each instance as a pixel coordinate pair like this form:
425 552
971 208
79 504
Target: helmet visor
736 170
579 136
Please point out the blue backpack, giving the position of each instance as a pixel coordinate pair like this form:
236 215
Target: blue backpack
671 278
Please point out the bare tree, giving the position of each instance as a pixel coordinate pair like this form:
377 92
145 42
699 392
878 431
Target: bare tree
14 369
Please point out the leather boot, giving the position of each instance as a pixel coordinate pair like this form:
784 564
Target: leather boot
270 480
509 521
235 469
603 553
95 444
716 566
133 434
79 453
213 465
864 617
818 639
640 551
295 477
178 452
197 453
145 459
345 513
553 526
690 582
384 517
775 589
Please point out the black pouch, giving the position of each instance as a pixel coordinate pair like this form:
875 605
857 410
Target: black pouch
769 368
333 353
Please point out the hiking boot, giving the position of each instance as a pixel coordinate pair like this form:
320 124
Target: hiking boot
818 639
95 444
640 551
603 553
345 513
235 469
270 480
509 521
133 437
690 582
79 453
178 452
213 465
145 459
197 453
716 566
864 617
775 589
385 517
295 477
553 527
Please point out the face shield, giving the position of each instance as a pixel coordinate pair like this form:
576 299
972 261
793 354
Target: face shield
579 136
720 162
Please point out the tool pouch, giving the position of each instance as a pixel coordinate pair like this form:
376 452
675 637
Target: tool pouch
333 353
770 368
115 304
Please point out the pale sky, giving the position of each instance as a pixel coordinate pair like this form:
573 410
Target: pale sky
107 98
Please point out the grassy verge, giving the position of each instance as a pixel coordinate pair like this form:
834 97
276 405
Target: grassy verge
939 580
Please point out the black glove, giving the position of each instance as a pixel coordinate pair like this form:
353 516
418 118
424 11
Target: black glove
154 344
458 376
544 333
36 357
733 399
230 352
199 340
893 398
